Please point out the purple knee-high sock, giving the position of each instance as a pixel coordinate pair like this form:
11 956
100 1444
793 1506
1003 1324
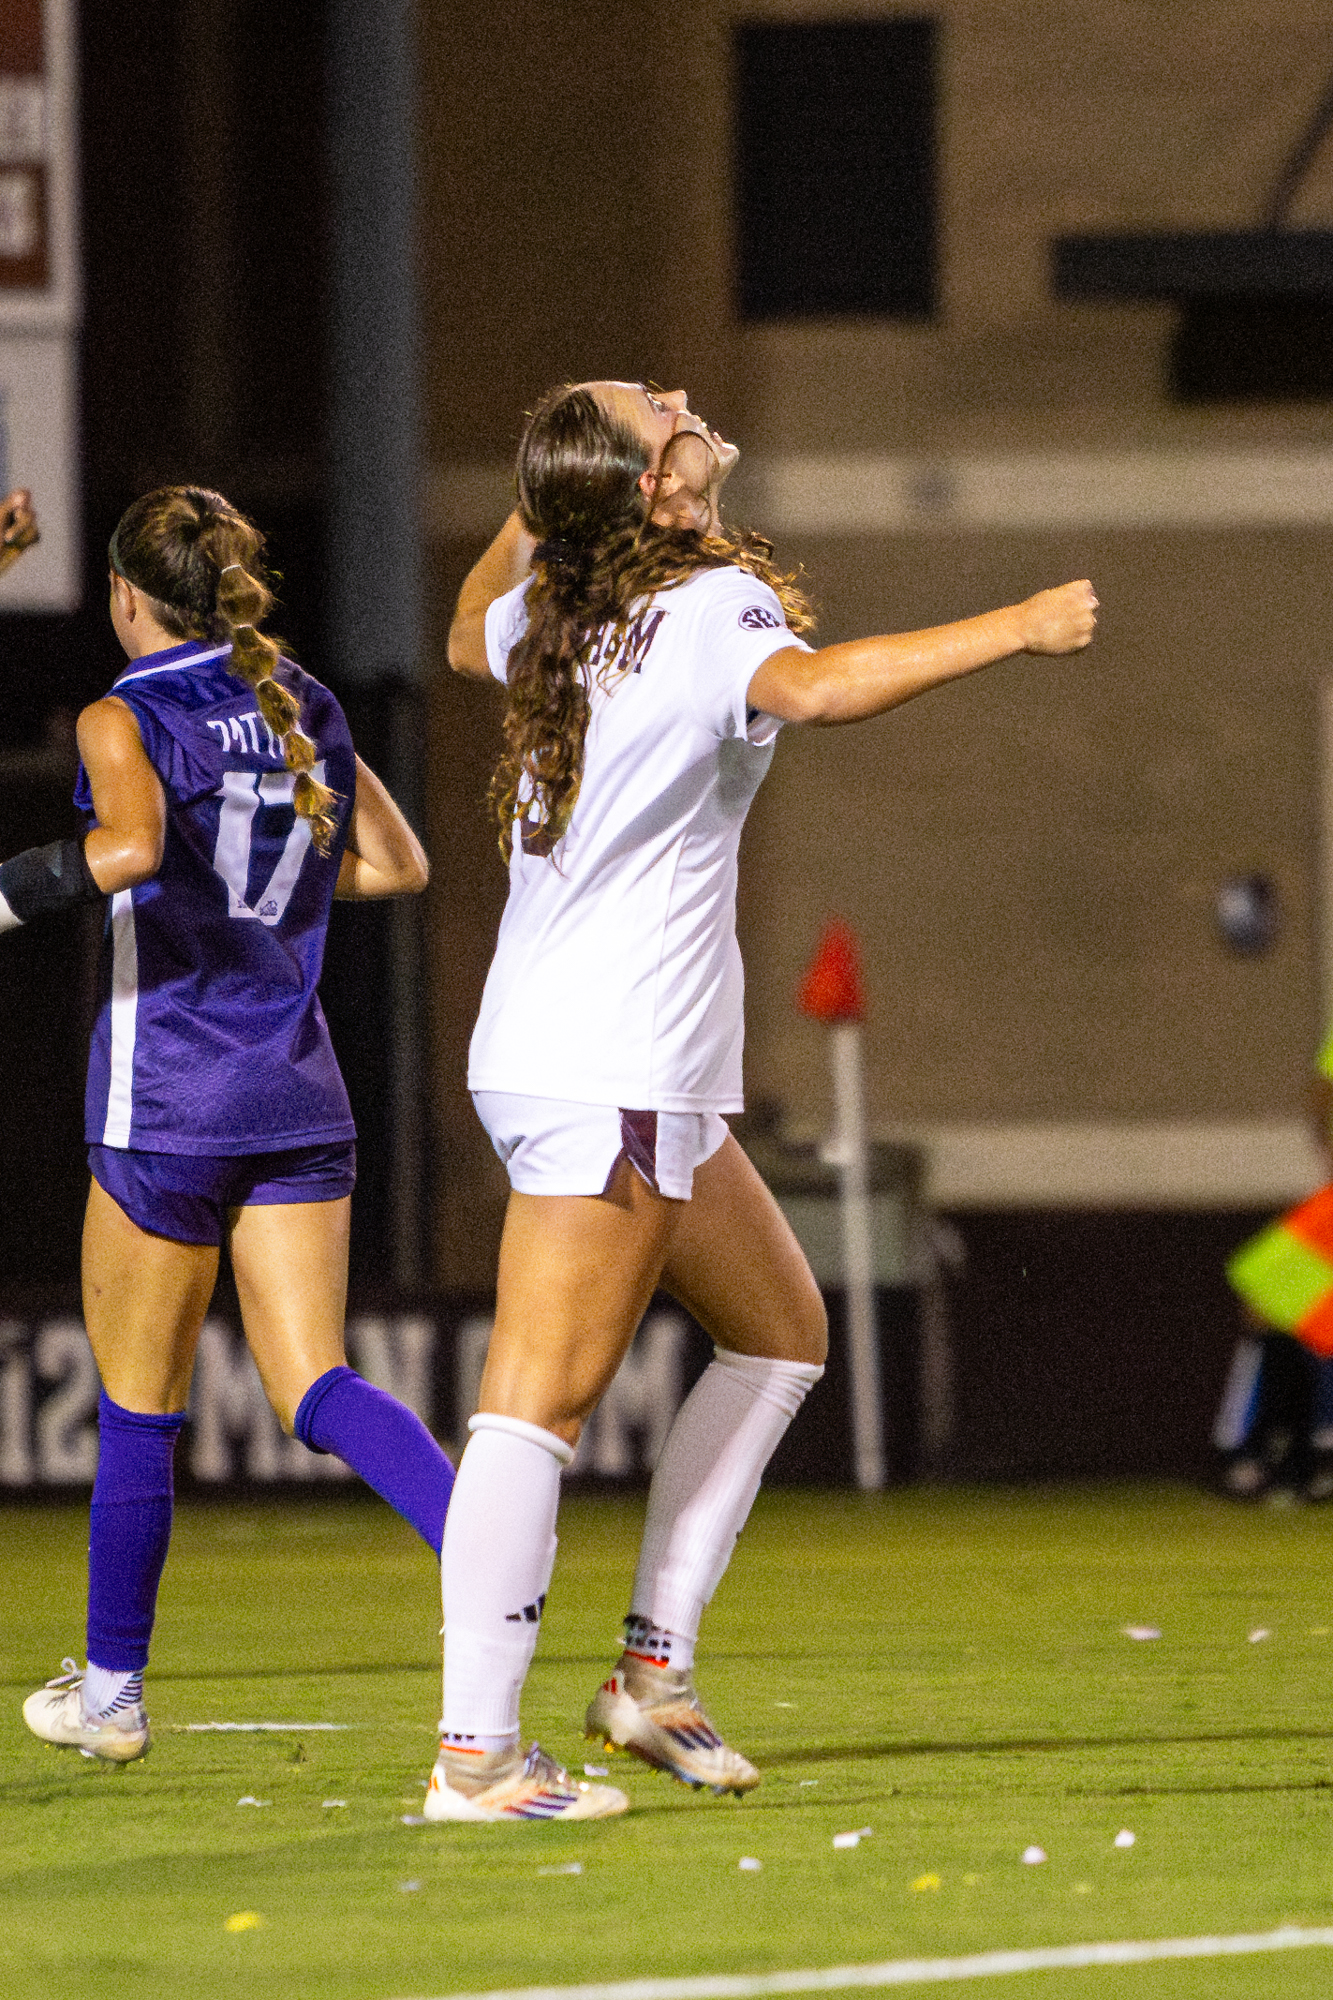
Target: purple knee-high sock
129 1531
385 1442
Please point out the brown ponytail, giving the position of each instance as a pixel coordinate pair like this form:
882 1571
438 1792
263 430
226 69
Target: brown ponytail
202 564
599 556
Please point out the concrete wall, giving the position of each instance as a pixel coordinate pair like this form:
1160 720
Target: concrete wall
1030 857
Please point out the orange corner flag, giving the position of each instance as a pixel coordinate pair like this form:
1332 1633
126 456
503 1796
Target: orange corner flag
832 989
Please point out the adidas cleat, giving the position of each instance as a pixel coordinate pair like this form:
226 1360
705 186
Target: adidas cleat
666 1726
514 1785
55 1713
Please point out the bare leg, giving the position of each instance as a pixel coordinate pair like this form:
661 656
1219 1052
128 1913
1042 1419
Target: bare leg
575 1277
736 1266
290 1264
145 1297
144 1300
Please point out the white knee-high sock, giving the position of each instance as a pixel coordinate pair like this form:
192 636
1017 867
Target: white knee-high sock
725 1432
495 1566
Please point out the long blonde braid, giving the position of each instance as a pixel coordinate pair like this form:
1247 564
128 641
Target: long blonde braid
201 562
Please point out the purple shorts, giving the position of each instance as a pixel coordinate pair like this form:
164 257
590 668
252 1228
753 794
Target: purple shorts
187 1196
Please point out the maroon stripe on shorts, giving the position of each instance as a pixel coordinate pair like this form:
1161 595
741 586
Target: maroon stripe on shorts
638 1137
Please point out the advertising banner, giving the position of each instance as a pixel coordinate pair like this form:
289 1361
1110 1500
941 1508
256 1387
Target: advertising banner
430 1355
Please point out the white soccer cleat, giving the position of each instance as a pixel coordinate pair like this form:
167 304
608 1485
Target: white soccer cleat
514 1785
666 1726
55 1713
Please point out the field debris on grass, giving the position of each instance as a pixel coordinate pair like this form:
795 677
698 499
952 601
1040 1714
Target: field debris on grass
597 1770
924 1883
1142 1631
1124 1838
411 1819
749 1864
251 1800
327 1805
853 1839
563 1868
1259 1632
409 1888
1033 1856
245 1920
250 1728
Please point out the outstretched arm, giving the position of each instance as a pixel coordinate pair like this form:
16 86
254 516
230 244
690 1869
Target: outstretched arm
505 563
18 526
865 677
383 856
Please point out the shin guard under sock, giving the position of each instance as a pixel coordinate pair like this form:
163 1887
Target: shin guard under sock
499 1550
724 1434
383 1441
129 1532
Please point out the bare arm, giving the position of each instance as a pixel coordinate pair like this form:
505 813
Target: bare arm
864 677
505 563
18 526
125 847
383 856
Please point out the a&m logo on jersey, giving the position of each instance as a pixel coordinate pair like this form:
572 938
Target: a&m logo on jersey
759 618
626 653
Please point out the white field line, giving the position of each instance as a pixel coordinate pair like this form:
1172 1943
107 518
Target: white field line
919 1971
247 1728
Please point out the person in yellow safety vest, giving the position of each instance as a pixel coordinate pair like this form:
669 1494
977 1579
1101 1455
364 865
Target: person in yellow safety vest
1275 1425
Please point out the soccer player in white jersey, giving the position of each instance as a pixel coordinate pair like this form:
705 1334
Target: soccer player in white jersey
651 656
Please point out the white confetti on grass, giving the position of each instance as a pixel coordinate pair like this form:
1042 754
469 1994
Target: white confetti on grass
1034 1856
1259 1632
564 1868
251 1800
327 1804
749 1864
1141 1631
854 1838
1124 1838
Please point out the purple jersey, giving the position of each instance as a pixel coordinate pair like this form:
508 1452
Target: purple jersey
209 1035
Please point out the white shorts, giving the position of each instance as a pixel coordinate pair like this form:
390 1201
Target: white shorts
550 1146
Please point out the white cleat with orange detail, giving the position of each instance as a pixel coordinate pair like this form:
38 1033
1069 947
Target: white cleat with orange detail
513 1785
663 1722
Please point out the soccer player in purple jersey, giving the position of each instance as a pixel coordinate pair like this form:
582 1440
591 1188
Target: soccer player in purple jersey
225 807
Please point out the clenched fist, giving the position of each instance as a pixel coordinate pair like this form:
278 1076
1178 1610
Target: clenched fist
18 526
1060 621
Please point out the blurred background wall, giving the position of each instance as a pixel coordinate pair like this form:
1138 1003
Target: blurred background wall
1032 859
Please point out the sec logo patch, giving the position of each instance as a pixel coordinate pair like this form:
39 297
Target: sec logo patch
758 618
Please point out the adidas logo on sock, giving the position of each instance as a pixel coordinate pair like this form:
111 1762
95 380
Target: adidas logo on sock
529 1615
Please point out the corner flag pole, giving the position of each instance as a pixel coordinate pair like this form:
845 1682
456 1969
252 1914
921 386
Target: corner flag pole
832 992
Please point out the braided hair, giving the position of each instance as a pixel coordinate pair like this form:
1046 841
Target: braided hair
599 554
201 563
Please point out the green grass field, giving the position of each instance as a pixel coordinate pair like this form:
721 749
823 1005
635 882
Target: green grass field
947 1668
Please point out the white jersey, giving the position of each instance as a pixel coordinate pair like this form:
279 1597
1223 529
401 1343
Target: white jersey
617 977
